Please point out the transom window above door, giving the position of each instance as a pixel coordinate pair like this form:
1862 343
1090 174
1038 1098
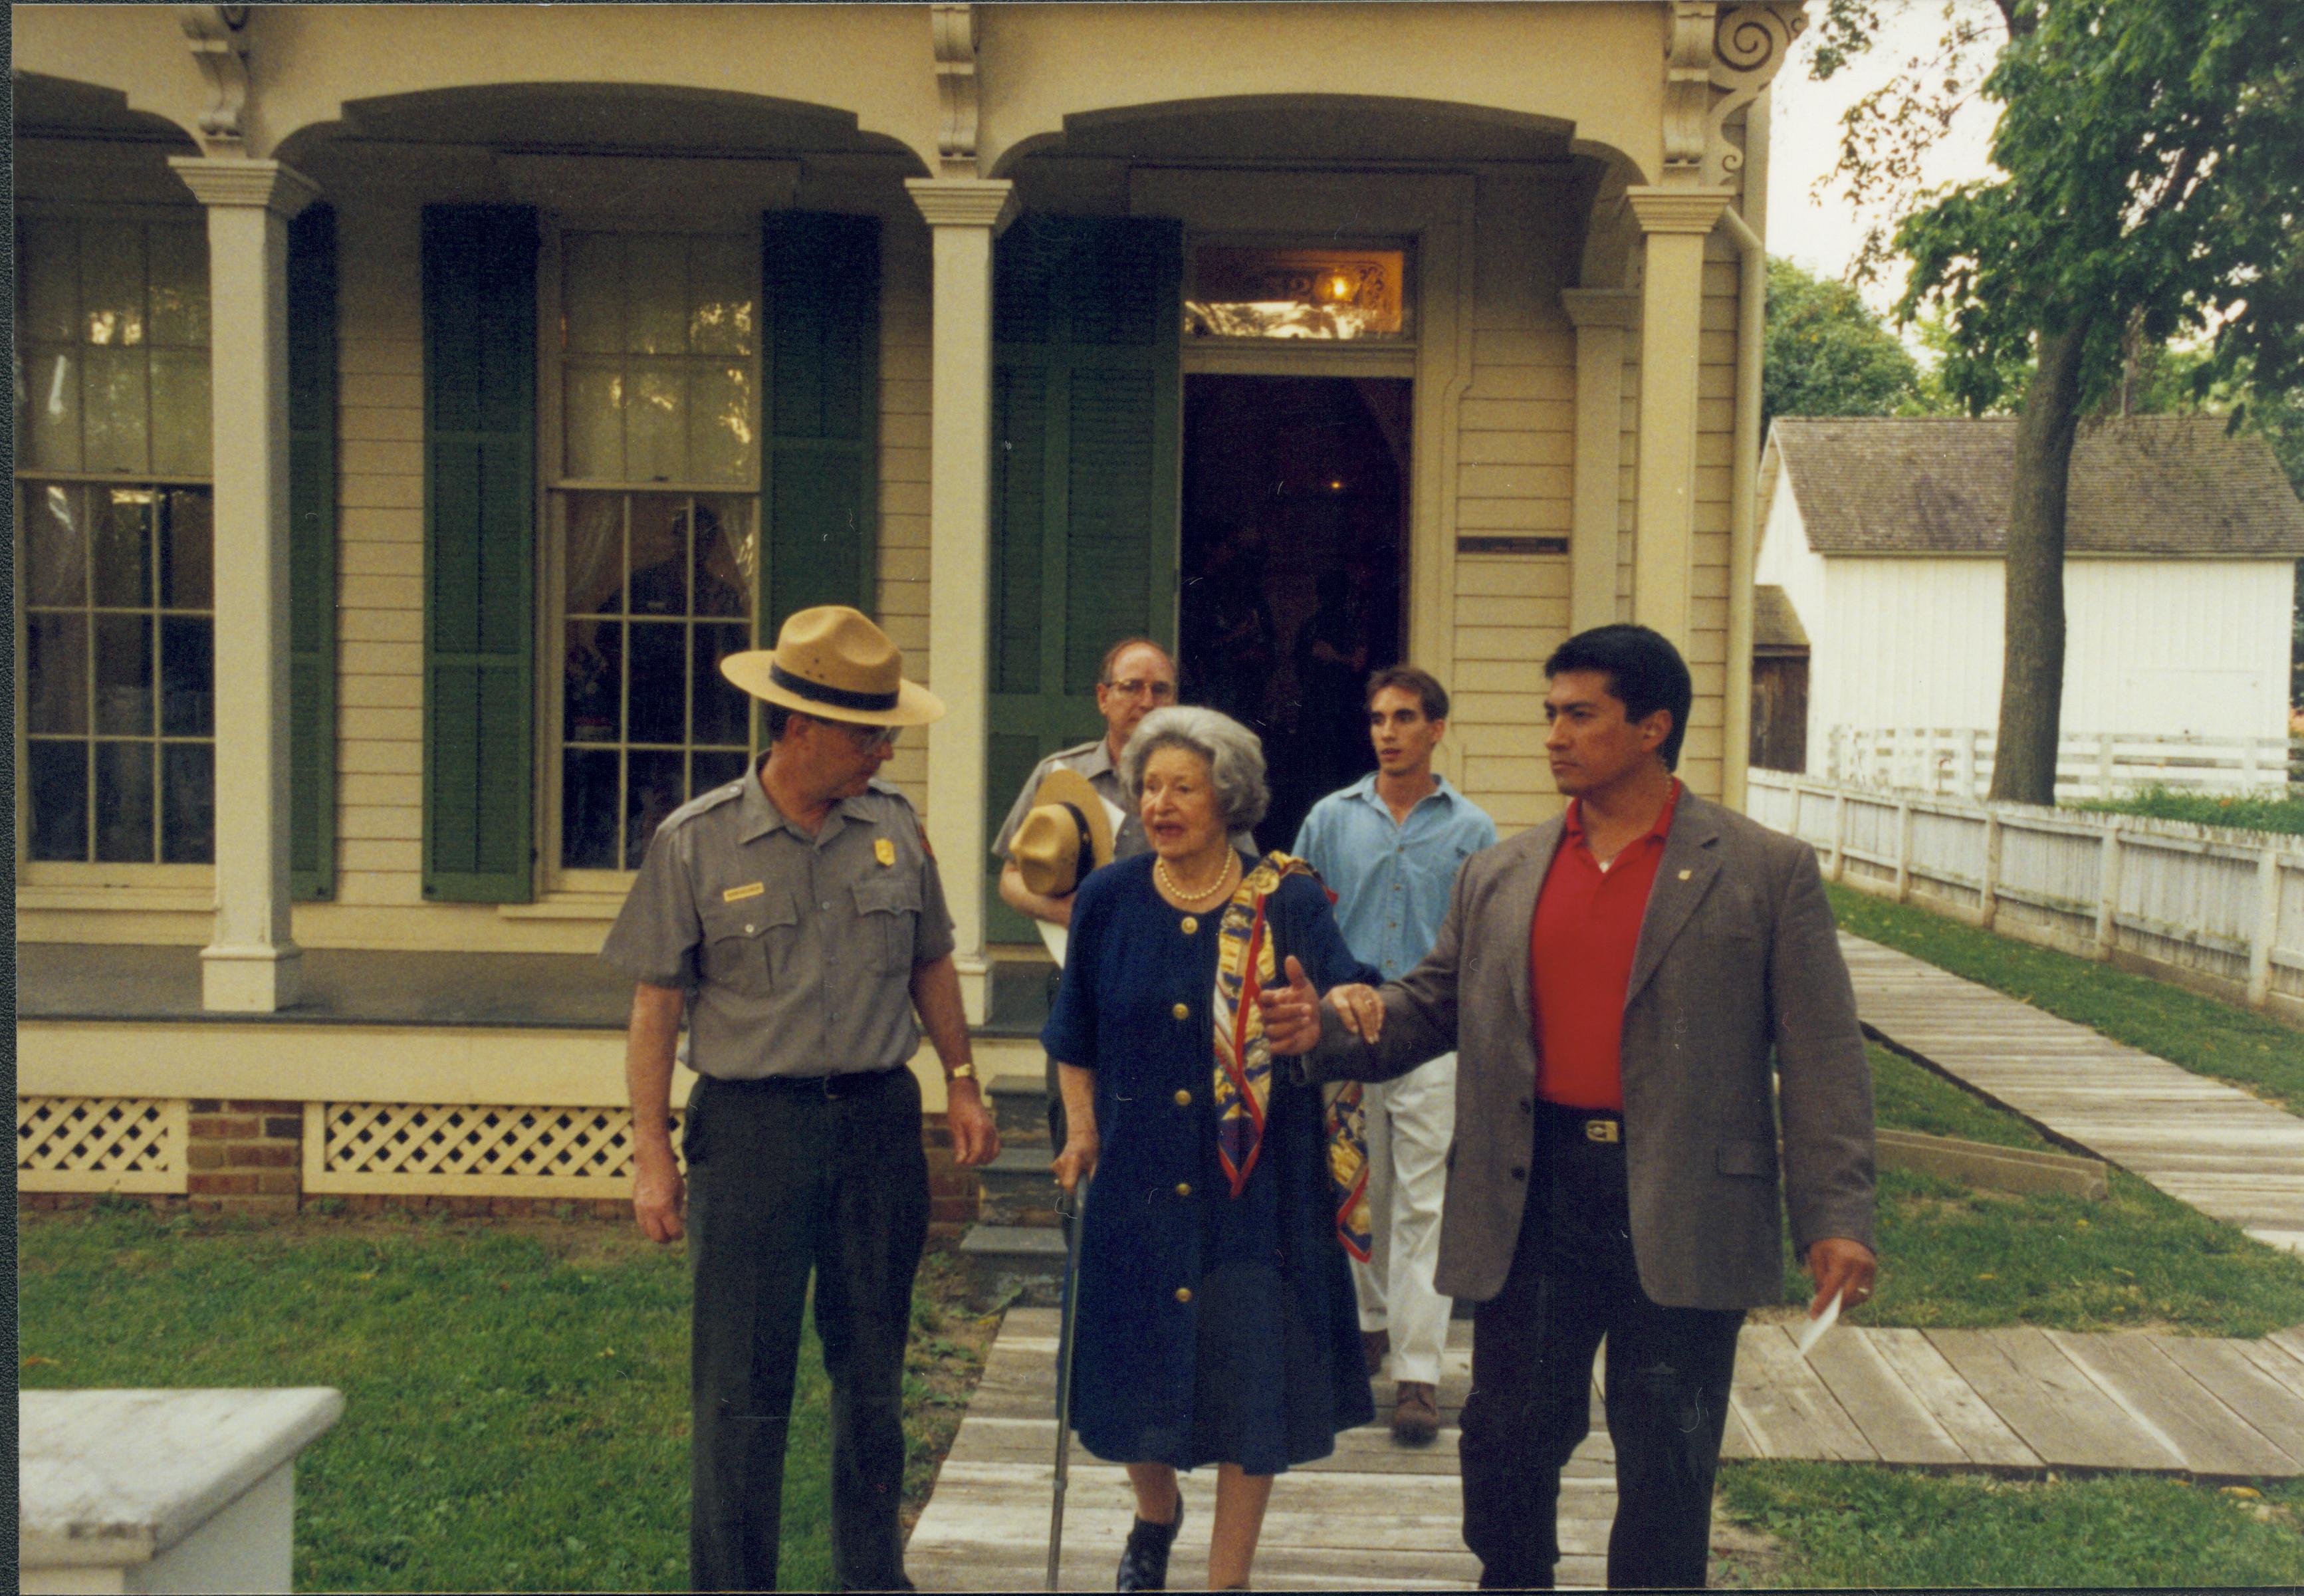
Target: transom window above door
1241 291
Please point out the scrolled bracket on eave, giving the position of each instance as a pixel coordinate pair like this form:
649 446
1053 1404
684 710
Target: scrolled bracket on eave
218 37
1750 47
952 28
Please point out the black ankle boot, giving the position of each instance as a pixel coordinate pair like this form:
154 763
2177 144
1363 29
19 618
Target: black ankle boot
1144 1560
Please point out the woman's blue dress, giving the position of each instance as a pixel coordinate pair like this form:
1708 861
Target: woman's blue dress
1211 1329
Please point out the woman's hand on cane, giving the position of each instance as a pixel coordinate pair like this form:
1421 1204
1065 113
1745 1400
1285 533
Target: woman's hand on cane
1077 1162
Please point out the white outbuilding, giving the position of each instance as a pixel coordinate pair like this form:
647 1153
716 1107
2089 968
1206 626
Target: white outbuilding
1883 540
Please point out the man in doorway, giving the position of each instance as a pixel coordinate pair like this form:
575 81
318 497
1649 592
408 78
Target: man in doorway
1135 678
1619 981
1389 847
796 919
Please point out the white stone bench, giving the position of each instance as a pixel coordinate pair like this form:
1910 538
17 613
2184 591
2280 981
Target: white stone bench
162 1491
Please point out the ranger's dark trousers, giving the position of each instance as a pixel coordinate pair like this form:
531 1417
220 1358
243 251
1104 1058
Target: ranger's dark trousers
786 1178
1571 1283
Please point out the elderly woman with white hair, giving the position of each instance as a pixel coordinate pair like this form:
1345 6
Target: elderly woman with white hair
1216 1321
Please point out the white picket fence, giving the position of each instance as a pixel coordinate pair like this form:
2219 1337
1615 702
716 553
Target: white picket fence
2216 909
1957 761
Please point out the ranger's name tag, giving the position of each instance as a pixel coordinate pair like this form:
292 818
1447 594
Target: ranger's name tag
737 894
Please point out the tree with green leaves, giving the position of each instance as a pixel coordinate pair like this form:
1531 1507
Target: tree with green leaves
2153 153
1828 353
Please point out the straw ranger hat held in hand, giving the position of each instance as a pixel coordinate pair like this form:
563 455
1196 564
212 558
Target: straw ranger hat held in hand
1066 834
832 663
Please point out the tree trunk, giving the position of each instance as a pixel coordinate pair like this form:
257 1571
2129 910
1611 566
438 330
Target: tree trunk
2032 672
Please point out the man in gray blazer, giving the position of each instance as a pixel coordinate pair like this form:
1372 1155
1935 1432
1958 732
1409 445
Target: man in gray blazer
1616 984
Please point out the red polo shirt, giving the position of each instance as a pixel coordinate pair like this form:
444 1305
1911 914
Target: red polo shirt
1580 947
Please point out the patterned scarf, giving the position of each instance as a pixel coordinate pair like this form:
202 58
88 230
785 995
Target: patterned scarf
1246 964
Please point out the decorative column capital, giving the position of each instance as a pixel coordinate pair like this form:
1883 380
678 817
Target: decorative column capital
1677 209
1600 307
266 184
987 202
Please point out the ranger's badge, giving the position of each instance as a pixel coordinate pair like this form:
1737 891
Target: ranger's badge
884 850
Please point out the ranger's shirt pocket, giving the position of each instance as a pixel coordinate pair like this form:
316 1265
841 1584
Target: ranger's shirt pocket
741 941
888 908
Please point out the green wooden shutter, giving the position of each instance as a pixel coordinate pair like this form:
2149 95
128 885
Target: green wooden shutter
820 383
312 554
480 552
1087 320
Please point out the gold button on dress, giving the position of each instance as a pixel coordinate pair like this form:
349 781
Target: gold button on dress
1183 1097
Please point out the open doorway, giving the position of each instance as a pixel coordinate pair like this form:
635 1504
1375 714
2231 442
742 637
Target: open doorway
1295 515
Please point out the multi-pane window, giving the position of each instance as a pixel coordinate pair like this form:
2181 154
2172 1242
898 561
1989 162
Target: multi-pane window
119 675
659 590
115 541
658 526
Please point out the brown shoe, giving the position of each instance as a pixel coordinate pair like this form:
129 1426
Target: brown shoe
1415 1413
1375 1345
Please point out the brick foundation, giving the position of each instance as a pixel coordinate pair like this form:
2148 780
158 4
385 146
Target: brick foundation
245 1158
954 1196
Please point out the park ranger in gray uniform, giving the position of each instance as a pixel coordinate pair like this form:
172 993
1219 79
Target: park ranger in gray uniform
1135 678
796 919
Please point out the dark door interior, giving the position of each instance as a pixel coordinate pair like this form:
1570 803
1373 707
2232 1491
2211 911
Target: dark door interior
1293 560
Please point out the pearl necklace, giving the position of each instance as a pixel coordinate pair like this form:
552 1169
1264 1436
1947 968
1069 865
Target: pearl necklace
1224 872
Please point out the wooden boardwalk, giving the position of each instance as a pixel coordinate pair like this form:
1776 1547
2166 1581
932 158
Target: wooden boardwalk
2017 1401
2232 1156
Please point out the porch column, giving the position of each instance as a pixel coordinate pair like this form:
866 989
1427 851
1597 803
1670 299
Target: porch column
966 213
1601 316
1675 222
251 967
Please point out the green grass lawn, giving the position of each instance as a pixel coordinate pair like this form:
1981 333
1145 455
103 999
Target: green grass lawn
1847 1524
2258 1054
516 1397
2273 809
1955 1256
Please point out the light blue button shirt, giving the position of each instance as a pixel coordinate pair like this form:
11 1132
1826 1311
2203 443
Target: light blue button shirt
1392 881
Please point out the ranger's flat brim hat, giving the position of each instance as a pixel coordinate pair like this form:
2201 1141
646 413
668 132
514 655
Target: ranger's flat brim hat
1066 834
832 662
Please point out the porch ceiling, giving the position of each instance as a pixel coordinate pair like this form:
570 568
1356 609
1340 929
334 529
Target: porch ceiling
1309 131
578 117
59 108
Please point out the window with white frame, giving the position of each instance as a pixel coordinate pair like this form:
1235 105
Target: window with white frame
115 546
655 531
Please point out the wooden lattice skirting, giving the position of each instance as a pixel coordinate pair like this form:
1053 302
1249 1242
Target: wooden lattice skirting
100 1144
469 1149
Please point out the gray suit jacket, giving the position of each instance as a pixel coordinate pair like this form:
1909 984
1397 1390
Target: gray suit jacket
1738 965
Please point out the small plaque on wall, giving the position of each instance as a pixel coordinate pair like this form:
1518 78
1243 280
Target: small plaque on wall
1511 545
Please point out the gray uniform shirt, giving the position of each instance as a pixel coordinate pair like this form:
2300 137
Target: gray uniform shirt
796 952
1093 761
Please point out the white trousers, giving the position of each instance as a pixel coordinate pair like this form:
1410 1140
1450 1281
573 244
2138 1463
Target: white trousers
1410 1122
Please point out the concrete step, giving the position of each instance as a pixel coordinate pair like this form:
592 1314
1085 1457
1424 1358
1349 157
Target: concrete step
1017 1187
1014 1263
1020 1108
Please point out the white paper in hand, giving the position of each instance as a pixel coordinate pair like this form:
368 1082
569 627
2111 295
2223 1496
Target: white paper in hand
1818 1325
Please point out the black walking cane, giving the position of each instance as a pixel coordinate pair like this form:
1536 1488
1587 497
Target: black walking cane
1069 1207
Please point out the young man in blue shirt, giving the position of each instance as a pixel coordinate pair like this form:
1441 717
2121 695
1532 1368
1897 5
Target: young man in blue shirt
1389 846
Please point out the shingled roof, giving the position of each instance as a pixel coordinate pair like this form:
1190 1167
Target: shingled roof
2140 485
